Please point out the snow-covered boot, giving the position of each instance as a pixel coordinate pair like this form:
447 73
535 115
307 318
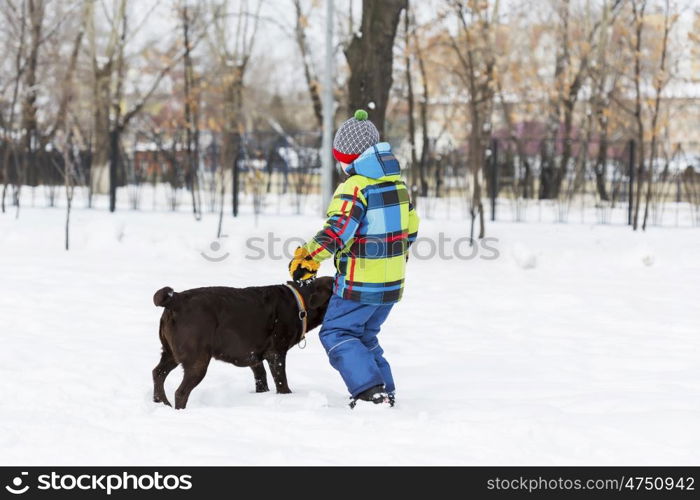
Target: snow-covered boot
376 395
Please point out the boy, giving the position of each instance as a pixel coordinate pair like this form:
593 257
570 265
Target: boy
371 224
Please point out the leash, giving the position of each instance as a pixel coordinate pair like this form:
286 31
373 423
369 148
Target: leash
302 313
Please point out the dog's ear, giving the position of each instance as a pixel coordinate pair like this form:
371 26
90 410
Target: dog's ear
323 288
317 300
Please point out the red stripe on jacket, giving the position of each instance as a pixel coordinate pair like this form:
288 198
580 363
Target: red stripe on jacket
333 236
330 232
388 239
351 278
347 216
345 226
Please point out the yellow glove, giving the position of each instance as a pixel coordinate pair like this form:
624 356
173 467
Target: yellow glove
302 267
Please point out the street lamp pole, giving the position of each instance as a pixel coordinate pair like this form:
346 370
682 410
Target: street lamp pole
328 113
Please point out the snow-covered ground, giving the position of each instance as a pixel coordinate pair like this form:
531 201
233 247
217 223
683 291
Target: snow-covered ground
577 345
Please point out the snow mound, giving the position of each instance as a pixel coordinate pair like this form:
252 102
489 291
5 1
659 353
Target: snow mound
643 254
523 256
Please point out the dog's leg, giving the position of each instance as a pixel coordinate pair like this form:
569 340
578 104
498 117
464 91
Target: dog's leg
194 373
277 362
160 372
260 377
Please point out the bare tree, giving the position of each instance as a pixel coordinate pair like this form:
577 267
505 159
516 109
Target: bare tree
29 124
188 18
67 87
549 173
233 62
570 75
660 79
425 154
103 72
110 117
16 19
310 74
409 98
605 76
638 9
475 52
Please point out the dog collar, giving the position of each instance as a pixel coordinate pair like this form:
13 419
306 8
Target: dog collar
302 309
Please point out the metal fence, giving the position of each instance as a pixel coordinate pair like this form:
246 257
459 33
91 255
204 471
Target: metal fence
521 179
524 178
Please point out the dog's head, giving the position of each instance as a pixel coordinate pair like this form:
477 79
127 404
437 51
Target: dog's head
316 294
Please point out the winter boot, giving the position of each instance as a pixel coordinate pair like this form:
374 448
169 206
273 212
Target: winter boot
376 395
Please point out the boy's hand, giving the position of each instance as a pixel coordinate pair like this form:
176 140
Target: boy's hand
302 267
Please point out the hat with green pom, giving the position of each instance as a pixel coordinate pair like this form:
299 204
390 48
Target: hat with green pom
354 137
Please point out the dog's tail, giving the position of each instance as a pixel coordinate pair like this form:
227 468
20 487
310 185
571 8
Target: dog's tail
164 296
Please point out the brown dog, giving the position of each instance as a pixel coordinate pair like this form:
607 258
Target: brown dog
243 326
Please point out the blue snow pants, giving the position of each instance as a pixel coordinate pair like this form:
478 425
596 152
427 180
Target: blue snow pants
349 336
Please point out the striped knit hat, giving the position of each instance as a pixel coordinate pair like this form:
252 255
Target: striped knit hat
353 137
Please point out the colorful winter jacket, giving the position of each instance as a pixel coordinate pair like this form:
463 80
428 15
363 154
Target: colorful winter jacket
371 224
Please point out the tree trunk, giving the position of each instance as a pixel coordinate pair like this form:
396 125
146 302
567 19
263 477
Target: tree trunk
309 73
601 104
103 96
425 147
233 128
410 102
19 68
550 169
68 176
566 150
370 57
519 146
601 166
659 84
100 118
639 28
191 118
116 118
476 157
68 92
29 109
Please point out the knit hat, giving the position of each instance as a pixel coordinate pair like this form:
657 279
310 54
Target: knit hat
354 137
